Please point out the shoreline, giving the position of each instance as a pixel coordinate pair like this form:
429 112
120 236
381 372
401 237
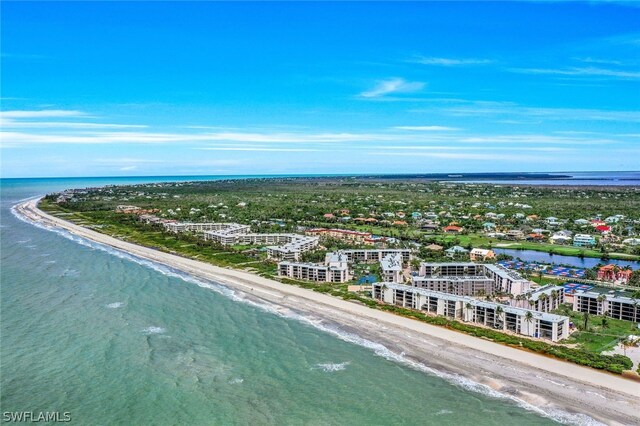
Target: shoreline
552 385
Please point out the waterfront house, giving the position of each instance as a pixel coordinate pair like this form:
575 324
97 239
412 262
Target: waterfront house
584 240
479 254
614 273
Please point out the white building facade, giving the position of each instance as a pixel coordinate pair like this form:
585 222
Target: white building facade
489 314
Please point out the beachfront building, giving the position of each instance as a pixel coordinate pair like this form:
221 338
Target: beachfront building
472 278
391 267
478 254
611 305
279 246
177 227
226 234
334 270
506 280
460 285
490 314
584 240
543 299
376 255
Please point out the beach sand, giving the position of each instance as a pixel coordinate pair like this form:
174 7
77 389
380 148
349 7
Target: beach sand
551 385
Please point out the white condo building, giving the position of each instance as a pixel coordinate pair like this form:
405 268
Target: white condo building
280 246
611 305
376 255
508 318
176 227
391 266
335 269
468 278
545 299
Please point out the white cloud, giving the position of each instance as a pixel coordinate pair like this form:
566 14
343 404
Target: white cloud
580 71
50 113
260 149
590 60
511 110
394 85
462 156
451 62
426 128
9 123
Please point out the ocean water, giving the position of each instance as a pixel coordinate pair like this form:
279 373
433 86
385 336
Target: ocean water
115 340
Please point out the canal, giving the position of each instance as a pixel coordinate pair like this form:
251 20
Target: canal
543 257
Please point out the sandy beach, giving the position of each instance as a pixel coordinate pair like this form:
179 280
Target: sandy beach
562 390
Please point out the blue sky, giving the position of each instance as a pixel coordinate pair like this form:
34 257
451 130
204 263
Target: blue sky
101 89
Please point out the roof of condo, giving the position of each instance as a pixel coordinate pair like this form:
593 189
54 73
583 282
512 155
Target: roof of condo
391 262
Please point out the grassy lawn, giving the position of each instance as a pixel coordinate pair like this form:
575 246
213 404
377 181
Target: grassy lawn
597 338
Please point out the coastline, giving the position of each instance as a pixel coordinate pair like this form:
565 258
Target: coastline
549 384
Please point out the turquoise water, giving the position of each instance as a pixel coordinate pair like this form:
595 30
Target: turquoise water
114 340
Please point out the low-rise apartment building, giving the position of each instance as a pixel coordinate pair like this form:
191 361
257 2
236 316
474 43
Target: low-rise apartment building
543 299
490 314
335 269
611 305
342 234
391 267
503 279
376 255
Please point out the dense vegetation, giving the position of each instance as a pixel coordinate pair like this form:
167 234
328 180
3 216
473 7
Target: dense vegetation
400 208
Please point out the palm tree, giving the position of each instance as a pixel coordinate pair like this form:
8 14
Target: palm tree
469 306
498 316
528 317
585 318
601 298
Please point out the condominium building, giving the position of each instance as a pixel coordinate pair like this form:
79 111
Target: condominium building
176 227
226 234
460 285
342 234
335 269
503 279
391 267
294 245
280 246
584 240
507 318
611 305
506 280
376 255
313 272
544 299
